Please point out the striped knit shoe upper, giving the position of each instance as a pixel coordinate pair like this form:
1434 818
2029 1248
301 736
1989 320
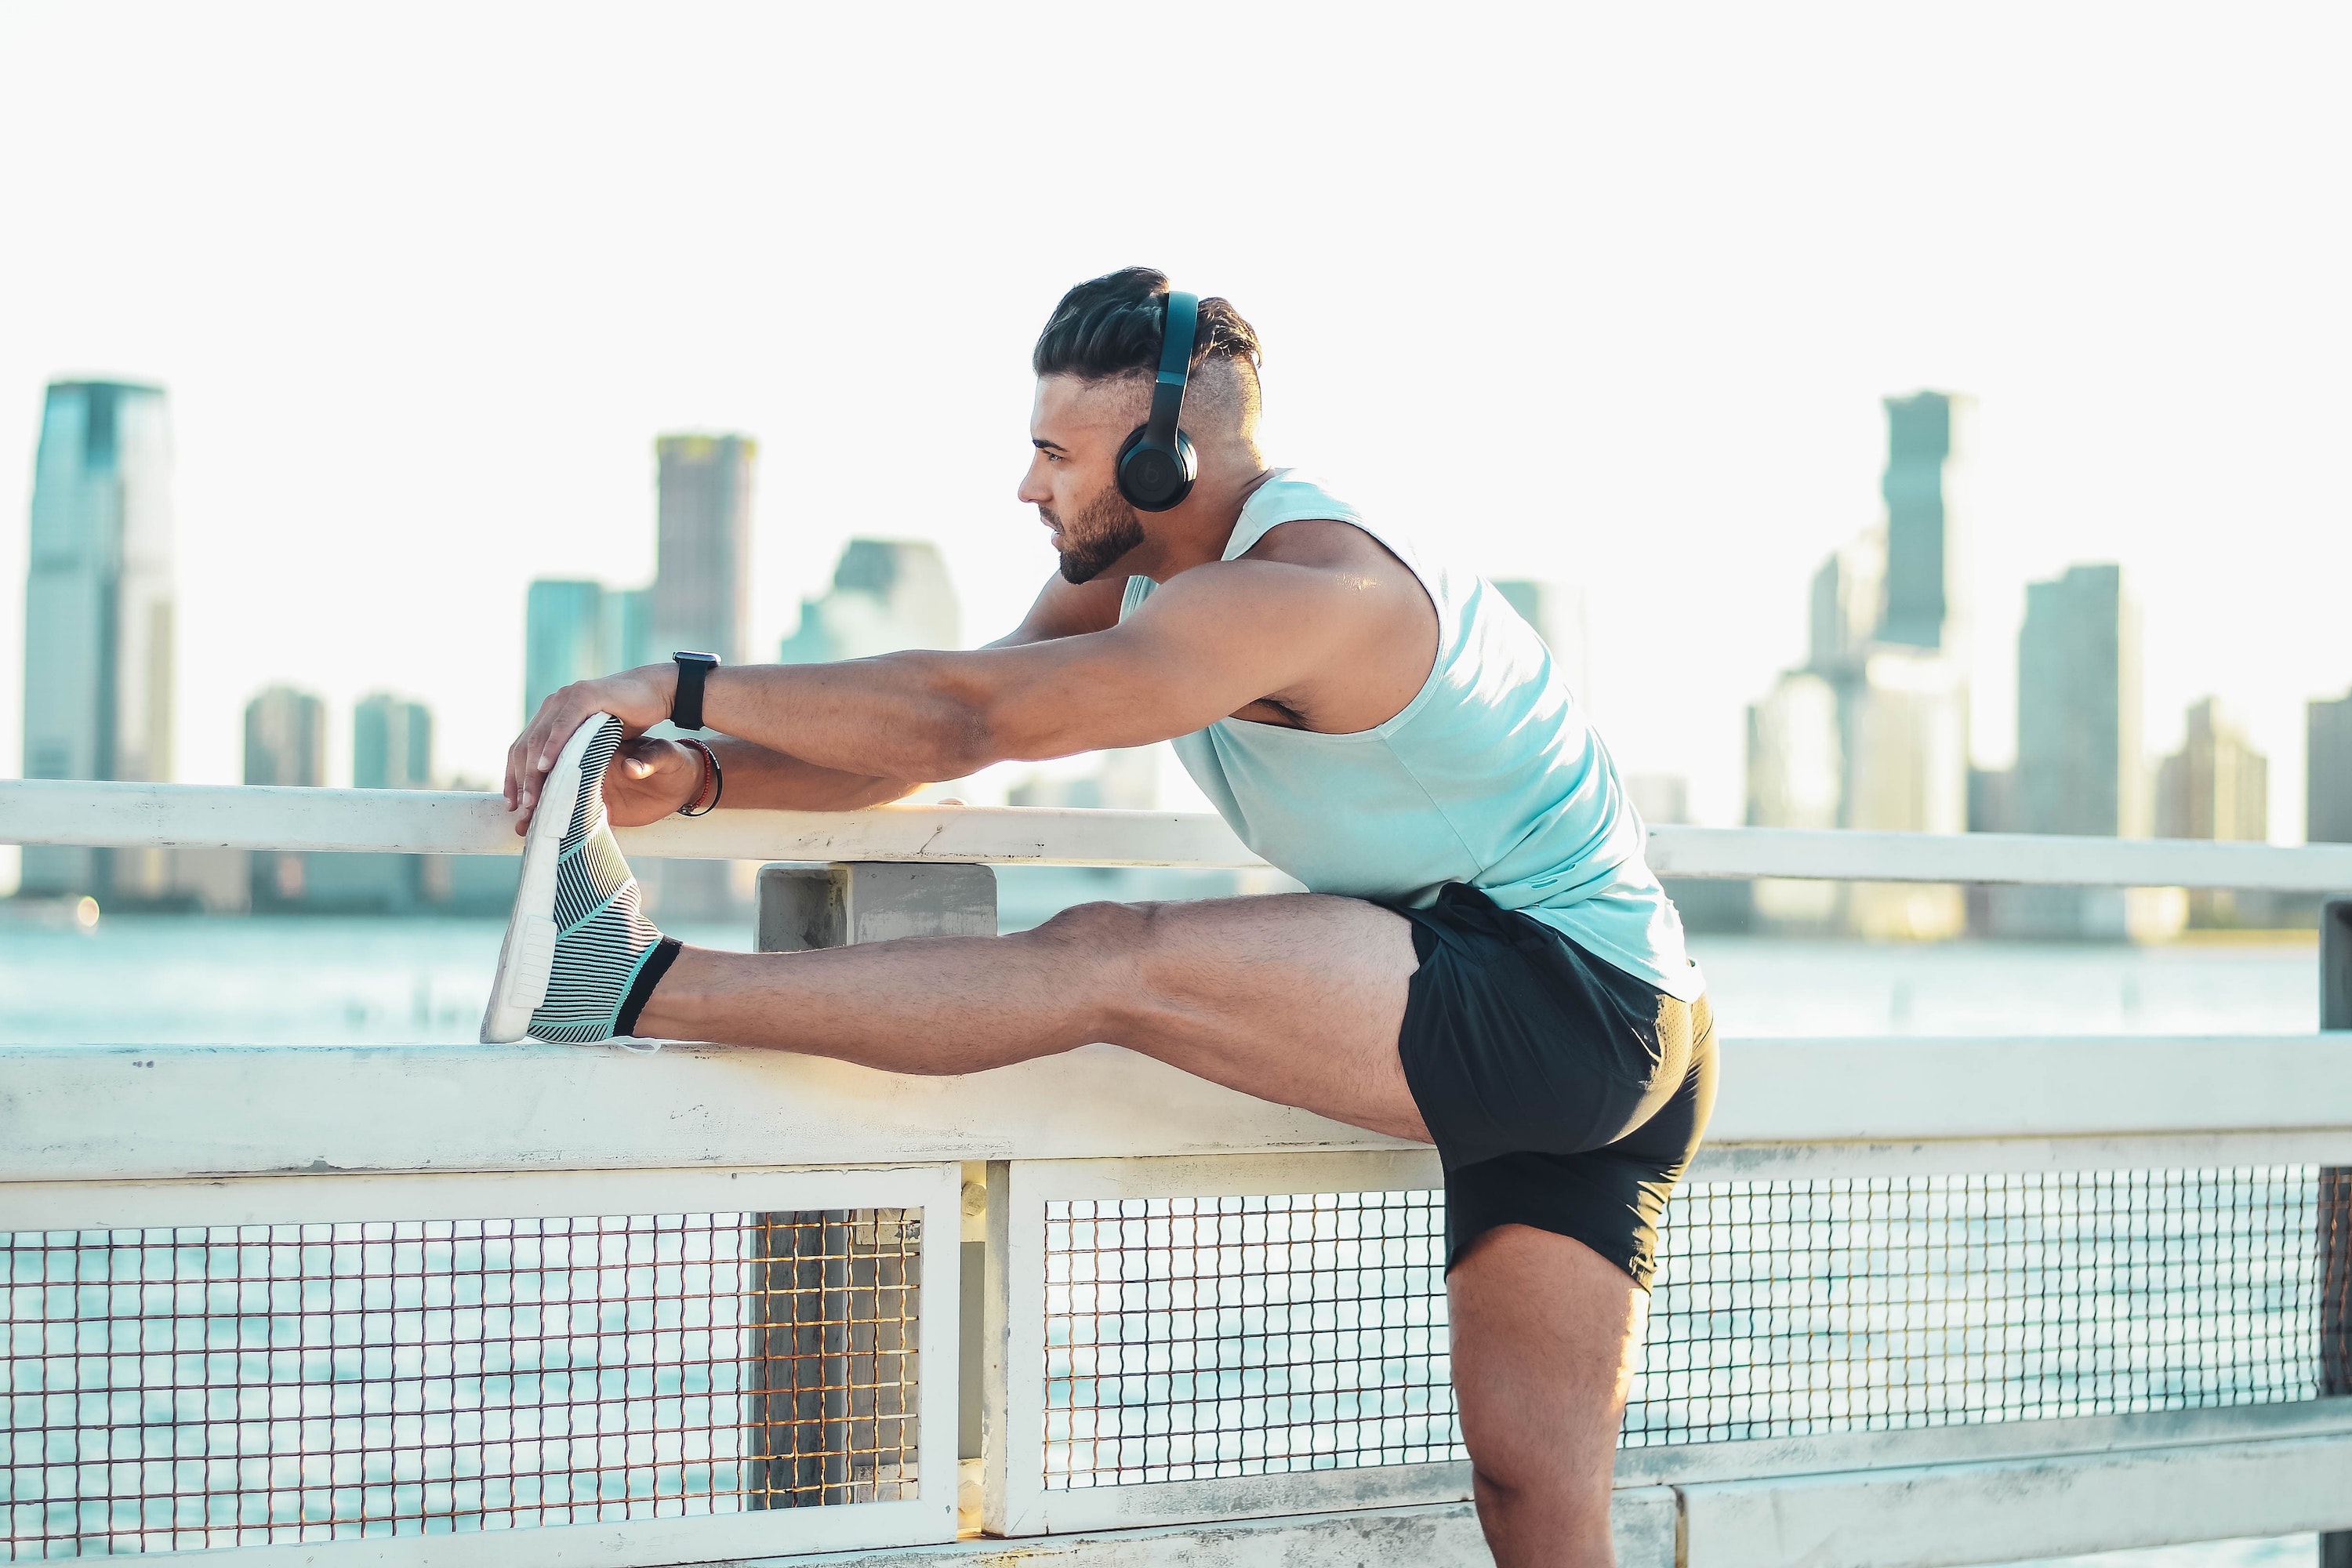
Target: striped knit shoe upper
603 938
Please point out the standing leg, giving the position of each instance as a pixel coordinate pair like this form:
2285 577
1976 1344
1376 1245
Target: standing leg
1545 1335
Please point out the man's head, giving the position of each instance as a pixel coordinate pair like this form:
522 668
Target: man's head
1095 362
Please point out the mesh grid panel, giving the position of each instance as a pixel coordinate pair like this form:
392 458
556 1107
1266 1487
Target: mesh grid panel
238 1385
1197 1338
1798 1307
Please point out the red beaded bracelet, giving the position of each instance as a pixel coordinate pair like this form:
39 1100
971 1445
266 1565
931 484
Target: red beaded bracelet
711 775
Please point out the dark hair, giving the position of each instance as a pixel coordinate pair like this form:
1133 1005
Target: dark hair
1110 326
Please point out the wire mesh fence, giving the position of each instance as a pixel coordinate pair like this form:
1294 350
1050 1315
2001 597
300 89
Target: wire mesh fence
1799 1308
242 1385
1191 1339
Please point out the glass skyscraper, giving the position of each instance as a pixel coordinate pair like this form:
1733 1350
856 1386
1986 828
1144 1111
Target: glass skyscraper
703 574
98 616
1924 435
392 743
575 629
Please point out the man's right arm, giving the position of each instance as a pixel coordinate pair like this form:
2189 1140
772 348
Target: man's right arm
652 777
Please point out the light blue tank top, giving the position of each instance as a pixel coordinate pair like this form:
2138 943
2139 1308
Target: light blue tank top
1491 775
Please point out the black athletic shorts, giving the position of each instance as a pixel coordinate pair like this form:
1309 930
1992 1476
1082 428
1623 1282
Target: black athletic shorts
1562 1092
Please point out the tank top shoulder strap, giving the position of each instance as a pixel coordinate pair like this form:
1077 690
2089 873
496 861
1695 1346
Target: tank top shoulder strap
1287 497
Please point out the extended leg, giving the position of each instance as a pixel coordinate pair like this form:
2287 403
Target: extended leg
1297 998
1544 1333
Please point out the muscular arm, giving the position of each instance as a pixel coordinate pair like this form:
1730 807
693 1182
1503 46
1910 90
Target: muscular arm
1072 678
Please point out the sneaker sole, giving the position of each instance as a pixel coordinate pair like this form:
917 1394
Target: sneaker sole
527 958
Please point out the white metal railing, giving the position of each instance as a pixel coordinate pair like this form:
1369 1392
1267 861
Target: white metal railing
70 812
109 1140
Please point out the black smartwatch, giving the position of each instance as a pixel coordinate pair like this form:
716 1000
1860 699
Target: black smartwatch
693 668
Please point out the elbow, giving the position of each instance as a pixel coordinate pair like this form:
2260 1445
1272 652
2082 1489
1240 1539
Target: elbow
972 720
966 731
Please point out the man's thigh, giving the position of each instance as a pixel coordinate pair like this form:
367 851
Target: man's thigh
1295 998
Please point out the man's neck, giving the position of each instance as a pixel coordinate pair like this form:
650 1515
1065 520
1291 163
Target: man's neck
1197 531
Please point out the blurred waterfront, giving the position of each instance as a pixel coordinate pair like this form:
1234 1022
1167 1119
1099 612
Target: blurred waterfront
270 980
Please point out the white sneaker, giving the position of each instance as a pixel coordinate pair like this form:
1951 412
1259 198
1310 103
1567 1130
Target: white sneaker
579 956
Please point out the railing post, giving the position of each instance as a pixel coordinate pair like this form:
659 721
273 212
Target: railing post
2336 1202
816 1283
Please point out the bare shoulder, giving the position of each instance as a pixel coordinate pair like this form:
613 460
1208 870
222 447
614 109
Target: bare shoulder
1348 562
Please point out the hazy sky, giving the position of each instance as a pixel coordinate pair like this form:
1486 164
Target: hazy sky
1603 295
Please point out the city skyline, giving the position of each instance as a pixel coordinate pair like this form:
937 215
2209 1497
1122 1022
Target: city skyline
1865 616
438 375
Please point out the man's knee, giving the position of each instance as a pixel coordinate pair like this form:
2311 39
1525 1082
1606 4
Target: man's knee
1126 947
1099 928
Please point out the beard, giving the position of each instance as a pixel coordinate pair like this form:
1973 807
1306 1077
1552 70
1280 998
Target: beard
1100 532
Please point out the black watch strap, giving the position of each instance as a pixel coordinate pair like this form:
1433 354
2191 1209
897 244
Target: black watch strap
685 710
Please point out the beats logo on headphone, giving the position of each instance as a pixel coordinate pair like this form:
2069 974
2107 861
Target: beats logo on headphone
1156 467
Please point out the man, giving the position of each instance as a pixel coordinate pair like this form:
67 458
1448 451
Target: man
1484 962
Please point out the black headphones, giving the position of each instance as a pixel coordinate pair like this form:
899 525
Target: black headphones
1156 467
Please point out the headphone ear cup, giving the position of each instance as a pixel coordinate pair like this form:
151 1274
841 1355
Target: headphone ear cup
1152 478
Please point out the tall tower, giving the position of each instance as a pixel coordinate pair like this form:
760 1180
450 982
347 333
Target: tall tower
1923 557
2078 702
2078 747
392 743
2327 789
286 738
702 562
97 615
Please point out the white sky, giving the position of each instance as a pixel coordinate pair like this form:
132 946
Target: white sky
1604 297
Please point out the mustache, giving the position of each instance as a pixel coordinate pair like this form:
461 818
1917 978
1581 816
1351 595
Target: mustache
1049 515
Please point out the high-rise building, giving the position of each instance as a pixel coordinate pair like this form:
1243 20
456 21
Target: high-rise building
98 616
1872 731
2216 786
886 594
702 599
1925 442
286 738
392 743
285 744
703 574
576 630
2079 769
562 637
2078 701
2327 775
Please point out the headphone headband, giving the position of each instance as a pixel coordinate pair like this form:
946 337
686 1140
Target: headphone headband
1182 328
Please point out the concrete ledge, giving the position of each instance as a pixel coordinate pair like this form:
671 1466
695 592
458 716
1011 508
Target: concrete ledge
1949 1516
1436 1536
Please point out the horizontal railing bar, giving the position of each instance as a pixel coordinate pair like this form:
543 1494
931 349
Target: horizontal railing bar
95 1113
441 822
433 822
2048 859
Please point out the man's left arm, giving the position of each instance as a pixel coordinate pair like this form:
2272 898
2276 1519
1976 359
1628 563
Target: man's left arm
1211 640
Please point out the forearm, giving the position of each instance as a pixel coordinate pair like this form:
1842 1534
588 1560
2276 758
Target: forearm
757 776
910 717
